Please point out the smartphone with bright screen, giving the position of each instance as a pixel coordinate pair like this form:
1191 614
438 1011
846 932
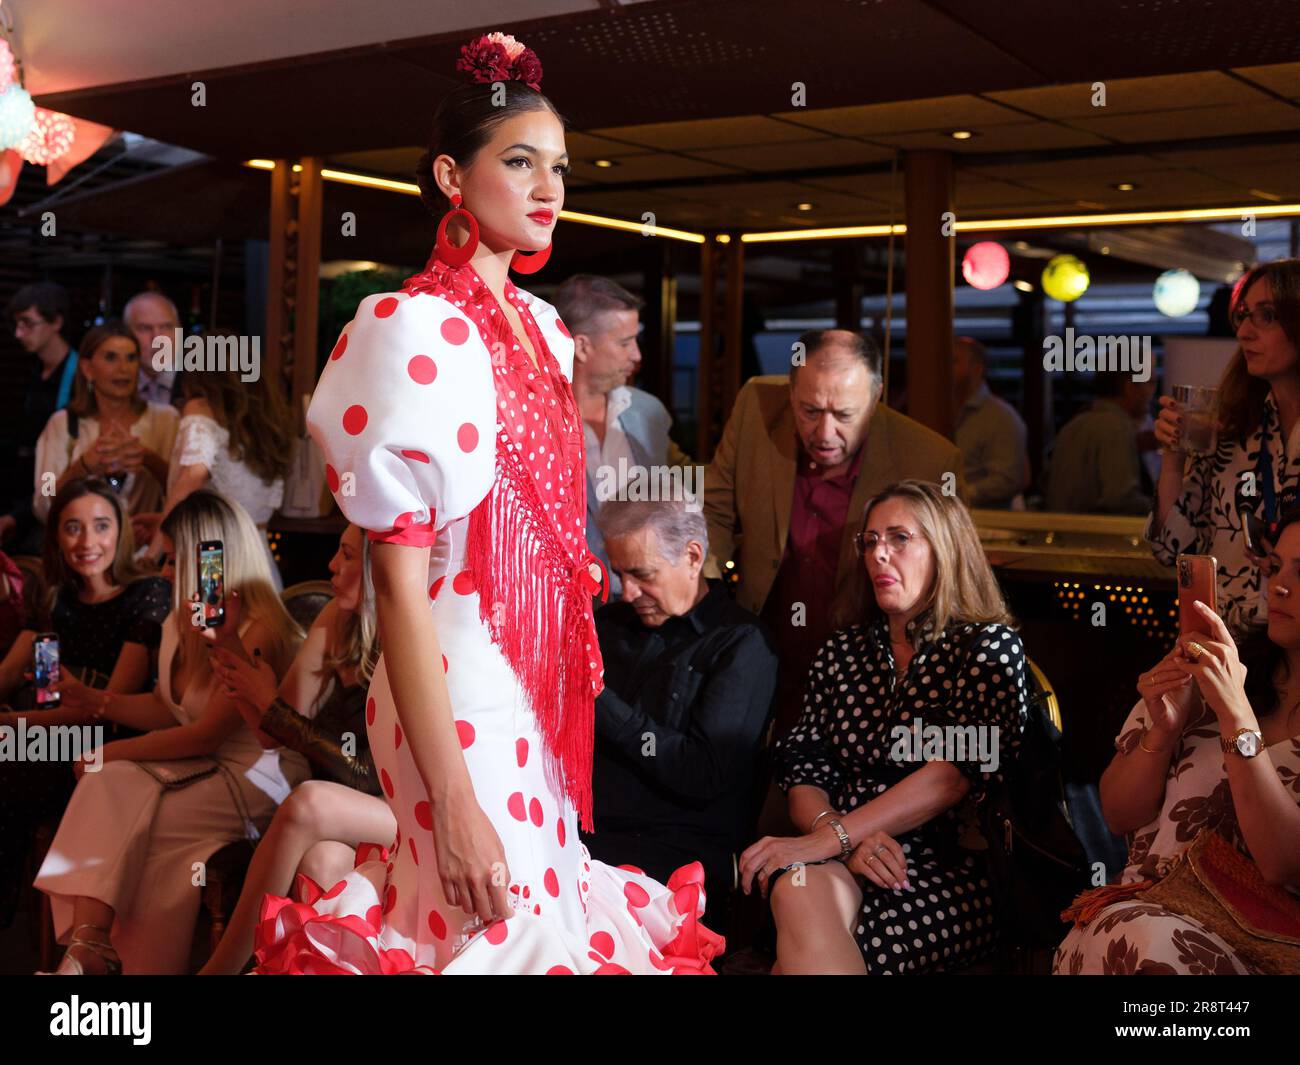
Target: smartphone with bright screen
45 668
1195 581
212 582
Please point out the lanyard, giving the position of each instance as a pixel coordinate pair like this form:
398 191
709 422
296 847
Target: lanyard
65 382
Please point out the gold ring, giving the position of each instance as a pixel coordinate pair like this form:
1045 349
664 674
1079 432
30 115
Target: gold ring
1195 650
872 858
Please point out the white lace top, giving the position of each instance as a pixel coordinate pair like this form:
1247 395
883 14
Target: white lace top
201 441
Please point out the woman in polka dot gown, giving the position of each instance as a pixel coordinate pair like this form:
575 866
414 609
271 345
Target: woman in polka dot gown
864 781
451 435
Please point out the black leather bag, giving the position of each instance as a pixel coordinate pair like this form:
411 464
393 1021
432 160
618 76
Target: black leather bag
1035 860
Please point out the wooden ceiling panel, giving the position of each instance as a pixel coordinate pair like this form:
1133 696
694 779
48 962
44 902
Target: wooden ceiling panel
1193 122
652 166
1281 78
710 133
1025 136
1131 95
937 113
833 151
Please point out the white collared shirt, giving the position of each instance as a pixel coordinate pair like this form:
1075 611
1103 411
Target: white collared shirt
615 447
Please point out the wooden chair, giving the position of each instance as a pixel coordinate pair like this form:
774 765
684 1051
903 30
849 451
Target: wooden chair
306 599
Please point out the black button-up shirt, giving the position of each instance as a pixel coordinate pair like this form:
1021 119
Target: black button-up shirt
680 724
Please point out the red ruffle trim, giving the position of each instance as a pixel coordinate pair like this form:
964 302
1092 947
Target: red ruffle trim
287 934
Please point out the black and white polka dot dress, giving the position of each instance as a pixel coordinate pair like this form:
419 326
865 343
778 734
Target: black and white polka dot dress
849 742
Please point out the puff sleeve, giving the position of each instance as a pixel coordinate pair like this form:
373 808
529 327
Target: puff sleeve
405 413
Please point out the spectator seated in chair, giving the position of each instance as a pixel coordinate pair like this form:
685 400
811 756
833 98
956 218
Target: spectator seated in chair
878 881
689 679
150 806
1207 770
320 711
108 618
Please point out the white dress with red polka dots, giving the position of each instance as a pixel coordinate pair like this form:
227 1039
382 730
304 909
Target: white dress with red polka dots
406 412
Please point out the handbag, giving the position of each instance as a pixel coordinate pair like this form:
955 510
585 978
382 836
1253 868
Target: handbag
181 773
1036 863
1222 890
306 494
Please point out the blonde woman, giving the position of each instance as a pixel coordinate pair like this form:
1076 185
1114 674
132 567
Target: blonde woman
122 872
883 886
320 711
107 429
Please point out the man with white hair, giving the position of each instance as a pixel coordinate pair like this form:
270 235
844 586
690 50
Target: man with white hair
689 679
149 315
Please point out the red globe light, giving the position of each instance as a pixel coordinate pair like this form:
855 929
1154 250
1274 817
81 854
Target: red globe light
985 265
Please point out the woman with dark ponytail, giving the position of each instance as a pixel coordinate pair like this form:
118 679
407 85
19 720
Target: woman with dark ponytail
451 435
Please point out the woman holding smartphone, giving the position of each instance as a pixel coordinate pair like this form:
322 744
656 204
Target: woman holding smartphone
452 436
120 872
318 710
1203 505
107 617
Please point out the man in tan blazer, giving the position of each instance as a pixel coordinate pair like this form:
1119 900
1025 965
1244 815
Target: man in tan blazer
811 448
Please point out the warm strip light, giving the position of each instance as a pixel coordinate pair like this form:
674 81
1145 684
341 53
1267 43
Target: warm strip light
1119 218
632 227
346 177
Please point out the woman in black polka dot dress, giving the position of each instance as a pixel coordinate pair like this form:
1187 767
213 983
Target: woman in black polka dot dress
905 716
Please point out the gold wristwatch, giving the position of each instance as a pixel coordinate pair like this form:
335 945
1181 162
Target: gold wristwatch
1246 742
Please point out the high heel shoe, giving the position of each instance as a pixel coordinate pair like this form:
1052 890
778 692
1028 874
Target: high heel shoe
70 966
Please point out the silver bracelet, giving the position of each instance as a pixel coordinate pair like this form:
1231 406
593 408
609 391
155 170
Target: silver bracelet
825 813
846 844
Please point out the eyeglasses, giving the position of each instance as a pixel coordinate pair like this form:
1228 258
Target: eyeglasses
1261 317
29 323
896 540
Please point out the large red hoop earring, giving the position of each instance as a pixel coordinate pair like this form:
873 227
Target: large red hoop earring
448 252
530 264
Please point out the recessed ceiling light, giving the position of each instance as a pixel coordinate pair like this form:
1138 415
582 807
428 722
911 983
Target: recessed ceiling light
961 134
1124 186
605 163
1023 286
1105 249
805 206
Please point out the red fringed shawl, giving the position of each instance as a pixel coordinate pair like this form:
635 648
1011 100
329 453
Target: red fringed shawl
527 548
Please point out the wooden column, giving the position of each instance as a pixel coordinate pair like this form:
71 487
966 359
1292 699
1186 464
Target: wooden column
928 192
660 320
306 318
733 328
293 276
707 402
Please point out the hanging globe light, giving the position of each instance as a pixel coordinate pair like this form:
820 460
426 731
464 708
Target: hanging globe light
16 114
985 265
1176 293
1065 278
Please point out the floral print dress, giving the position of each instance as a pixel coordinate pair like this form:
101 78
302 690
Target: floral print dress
1207 518
1142 938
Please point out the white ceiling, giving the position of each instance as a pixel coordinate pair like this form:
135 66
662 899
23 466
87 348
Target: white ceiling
75 44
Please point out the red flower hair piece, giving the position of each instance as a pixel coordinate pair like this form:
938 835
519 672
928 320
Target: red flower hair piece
499 57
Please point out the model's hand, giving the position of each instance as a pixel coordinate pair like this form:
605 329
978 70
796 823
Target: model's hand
471 860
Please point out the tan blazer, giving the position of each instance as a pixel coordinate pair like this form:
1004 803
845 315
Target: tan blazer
749 489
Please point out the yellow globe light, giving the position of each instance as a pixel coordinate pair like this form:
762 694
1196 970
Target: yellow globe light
1065 278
